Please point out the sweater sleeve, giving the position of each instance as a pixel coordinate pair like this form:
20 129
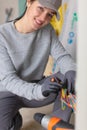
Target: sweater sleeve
61 57
12 82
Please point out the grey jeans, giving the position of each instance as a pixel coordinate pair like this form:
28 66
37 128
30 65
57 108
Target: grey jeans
10 118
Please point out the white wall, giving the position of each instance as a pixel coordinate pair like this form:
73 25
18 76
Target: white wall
81 85
8 4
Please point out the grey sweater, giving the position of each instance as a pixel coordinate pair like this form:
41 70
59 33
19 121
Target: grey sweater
23 58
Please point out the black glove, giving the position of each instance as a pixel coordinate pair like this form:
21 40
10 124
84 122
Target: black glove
52 84
70 81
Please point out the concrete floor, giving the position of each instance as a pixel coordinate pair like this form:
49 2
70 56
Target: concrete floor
29 123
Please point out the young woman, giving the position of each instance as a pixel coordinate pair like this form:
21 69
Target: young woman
25 46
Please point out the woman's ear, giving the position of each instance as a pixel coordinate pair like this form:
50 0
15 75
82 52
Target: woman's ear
28 3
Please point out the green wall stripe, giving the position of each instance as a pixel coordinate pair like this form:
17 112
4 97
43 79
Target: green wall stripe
21 5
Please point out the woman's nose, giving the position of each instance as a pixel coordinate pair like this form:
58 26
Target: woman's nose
43 17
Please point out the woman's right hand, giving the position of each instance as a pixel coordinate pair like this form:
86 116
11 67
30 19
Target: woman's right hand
52 84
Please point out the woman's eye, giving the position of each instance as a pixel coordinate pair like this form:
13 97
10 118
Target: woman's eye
50 15
40 9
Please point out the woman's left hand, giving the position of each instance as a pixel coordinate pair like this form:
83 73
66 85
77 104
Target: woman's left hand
70 77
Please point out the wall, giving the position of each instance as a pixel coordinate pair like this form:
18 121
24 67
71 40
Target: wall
7 4
81 115
66 28
21 5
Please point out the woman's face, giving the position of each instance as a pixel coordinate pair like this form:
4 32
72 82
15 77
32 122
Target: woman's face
38 16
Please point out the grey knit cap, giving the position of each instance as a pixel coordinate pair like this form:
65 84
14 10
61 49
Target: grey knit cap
52 4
